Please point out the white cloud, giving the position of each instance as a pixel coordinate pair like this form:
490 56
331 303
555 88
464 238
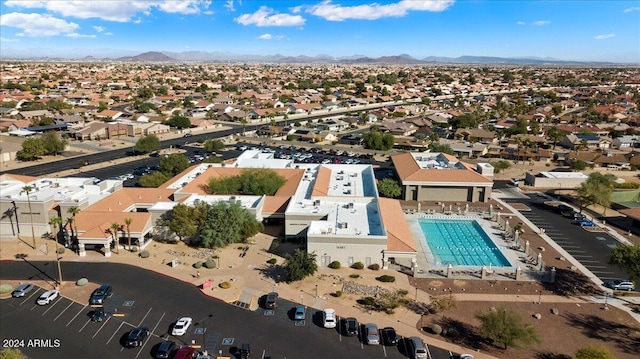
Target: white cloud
632 9
38 24
541 22
270 37
113 10
75 35
229 6
521 23
374 11
108 33
604 36
265 17
4 39
99 28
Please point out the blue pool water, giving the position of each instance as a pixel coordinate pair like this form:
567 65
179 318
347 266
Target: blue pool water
461 243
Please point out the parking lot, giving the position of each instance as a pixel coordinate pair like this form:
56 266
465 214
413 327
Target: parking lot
592 249
155 301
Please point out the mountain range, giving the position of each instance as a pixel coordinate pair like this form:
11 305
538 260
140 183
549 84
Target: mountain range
402 59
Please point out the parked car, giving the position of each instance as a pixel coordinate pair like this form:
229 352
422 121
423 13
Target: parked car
418 348
586 223
466 356
329 318
184 353
165 349
389 336
100 295
245 351
621 284
300 313
136 337
47 297
22 290
351 327
181 326
272 300
187 135
372 336
98 315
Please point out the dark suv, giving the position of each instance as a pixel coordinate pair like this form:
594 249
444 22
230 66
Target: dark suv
272 300
100 295
136 337
351 326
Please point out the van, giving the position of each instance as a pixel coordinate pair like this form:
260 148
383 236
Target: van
418 348
100 295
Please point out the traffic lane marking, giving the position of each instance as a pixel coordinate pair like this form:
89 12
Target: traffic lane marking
32 294
51 306
102 326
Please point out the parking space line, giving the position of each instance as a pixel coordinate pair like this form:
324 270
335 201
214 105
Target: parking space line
65 309
51 306
74 317
85 324
29 297
152 331
145 317
102 326
114 333
384 350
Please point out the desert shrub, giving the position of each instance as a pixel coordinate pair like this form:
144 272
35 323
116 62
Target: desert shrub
337 294
197 265
354 276
6 288
453 332
224 285
60 250
374 266
386 278
402 292
357 265
210 263
370 301
144 254
436 329
82 282
334 265
134 248
272 261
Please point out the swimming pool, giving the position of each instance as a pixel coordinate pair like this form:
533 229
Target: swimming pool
461 243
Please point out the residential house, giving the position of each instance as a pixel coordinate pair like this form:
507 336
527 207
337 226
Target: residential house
476 135
585 142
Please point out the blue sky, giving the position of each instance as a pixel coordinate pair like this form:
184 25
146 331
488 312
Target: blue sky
568 30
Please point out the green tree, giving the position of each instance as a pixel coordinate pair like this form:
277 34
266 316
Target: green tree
375 140
501 165
464 121
594 352
27 190
153 180
228 223
12 353
32 149
388 187
147 144
115 227
185 220
213 145
555 135
505 327
179 122
251 181
578 165
441 147
127 223
300 265
597 189
627 257
173 164
52 143
73 211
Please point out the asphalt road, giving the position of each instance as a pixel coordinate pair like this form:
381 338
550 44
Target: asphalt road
63 328
592 249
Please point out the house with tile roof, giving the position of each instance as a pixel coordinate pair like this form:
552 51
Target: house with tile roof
440 177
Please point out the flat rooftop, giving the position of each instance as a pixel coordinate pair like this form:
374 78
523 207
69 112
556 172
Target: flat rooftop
564 175
436 160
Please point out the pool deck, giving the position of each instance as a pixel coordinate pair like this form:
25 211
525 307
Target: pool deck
426 260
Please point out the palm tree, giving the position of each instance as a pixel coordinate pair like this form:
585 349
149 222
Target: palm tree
127 222
73 211
243 121
56 222
115 227
28 190
69 221
9 213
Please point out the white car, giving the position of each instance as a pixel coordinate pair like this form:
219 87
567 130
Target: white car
466 356
181 326
47 297
329 318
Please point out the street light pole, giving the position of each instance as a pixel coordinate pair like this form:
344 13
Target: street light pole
316 291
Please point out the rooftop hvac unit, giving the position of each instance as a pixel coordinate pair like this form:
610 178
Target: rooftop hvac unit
316 202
